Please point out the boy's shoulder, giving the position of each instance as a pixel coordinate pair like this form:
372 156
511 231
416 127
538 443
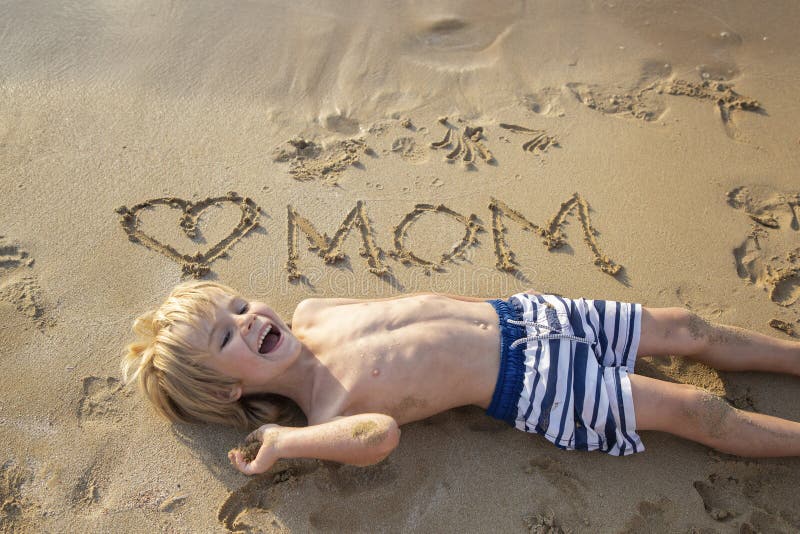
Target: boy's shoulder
310 308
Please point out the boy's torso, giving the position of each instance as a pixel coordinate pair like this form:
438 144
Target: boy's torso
409 357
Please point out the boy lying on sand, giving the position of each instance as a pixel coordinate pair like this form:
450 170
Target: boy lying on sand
360 368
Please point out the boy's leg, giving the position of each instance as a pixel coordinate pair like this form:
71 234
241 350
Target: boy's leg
696 414
680 332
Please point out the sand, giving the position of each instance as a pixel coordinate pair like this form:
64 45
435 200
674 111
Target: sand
630 150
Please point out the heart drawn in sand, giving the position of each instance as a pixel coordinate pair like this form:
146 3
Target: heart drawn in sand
192 264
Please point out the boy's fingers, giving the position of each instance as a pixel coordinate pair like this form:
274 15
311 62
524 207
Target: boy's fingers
248 468
259 464
241 465
253 468
235 460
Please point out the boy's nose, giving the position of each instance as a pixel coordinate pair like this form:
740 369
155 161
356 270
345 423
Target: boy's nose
247 322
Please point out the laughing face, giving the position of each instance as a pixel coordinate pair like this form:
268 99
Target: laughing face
249 342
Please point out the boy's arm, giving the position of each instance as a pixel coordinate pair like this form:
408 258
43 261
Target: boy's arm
362 439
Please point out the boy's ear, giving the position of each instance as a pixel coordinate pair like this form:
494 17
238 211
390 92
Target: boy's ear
231 395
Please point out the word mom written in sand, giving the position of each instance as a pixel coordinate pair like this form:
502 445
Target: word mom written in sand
357 221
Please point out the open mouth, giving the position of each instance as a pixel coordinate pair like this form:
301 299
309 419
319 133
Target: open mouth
270 339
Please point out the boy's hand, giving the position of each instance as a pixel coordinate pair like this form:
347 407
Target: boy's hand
268 436
362 439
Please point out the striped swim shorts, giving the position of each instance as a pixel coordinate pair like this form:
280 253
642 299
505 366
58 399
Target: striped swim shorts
564 368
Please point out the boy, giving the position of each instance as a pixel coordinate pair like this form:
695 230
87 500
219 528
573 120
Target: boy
360 368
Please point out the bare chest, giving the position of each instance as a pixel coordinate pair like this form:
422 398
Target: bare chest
408 359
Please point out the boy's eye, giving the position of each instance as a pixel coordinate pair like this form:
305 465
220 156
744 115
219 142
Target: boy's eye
225 339
243 308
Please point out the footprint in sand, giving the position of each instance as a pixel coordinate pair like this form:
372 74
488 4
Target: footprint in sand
769 256
546 102
86 491
392 486
751 496
650 518
14 506
386 486
250 506
252 502
558 475
18 285
99 399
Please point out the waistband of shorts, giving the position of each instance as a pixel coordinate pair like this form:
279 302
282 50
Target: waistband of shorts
512 362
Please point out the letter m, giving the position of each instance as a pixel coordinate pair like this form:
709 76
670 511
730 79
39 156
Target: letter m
329 248
551 234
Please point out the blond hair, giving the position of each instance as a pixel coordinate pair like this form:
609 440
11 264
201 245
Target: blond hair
166 361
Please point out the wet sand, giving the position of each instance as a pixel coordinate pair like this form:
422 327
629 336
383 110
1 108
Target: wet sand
628 150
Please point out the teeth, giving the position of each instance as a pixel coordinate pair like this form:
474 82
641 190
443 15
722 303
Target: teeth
263 335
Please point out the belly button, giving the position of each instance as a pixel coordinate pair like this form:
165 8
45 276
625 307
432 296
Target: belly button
376 372
483 326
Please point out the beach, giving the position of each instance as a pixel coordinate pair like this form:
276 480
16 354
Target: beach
639 151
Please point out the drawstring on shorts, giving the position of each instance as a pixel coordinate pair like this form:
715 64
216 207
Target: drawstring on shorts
539 335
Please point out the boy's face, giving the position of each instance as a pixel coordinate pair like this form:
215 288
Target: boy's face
249 342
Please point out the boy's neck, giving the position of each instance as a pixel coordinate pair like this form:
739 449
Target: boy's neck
296 383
